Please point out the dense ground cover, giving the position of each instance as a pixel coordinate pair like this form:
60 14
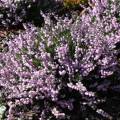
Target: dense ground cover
60 61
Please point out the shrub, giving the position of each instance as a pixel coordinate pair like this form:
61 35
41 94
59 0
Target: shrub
42 73
14 13
32 81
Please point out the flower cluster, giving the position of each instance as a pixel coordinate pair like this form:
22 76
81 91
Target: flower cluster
20 76
29 75
16 12
96 34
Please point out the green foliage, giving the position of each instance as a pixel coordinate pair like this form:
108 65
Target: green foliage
36 62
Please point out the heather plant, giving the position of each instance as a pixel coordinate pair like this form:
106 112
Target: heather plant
30 76
99 33
43 71
14 13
